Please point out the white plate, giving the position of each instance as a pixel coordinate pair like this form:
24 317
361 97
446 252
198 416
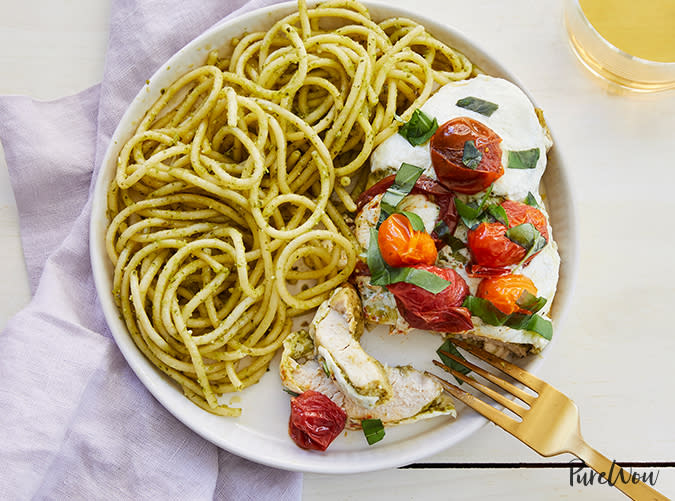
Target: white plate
261 433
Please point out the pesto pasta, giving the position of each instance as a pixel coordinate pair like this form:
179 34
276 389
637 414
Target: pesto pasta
228 208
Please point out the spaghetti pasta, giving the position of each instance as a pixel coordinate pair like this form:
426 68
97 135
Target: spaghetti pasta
227 210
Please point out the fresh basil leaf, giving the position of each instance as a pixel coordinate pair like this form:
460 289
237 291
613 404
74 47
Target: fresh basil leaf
539 244
471 212
404 182
421 278
498 213
447 346
478 105
491 315
383 274
471 156
527 236
524 159
524 234
415 221
419 129
291 393
530 302
531 201
485 310
468 211
373 429
325 368
379 271
443 232
534 323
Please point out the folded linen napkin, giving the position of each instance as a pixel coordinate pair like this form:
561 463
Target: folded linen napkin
76 422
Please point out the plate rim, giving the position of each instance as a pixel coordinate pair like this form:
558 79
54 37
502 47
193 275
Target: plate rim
155 381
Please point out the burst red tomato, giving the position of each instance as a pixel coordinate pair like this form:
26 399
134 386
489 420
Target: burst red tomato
315 420
491 250
442 312
400 245
447 150
503 292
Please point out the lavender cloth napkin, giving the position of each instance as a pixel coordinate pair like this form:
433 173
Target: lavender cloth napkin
76 422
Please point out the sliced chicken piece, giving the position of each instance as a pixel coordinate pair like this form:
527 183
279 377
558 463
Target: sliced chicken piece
335 332
415 396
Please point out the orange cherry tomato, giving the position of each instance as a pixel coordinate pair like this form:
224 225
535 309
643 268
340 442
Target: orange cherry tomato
504 291
489 245
400 245
447 150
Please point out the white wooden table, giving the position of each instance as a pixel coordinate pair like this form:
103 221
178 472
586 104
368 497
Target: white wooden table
615 355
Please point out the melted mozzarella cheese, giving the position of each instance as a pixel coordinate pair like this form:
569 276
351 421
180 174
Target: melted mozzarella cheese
515 121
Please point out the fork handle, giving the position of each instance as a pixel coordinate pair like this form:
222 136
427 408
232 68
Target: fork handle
615 475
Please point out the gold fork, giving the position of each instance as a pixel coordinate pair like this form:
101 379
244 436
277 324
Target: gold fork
550 425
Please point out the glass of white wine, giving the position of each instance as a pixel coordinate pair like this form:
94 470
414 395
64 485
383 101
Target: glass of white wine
630 43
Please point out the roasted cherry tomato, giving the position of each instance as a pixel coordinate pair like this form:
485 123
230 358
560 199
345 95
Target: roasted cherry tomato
442 312
315 420
504 291
447 150
441 196
400 245
491 250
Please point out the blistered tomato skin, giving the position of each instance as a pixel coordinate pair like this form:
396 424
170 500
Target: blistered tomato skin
315 420
447 149
503 292
440 312
491 249
400 245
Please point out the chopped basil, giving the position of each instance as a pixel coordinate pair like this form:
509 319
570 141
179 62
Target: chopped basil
527 236
478 105
449 347
471 156
471 212
379 271
419 129
530 302
421 278
490 314
455 244
383 274
373 429
498 213
534 323
485 310
291 393
325 368
531 201
415 221
524 159
404 182
443 232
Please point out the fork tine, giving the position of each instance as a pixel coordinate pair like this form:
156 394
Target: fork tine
497 397
506 367
505 385
497 417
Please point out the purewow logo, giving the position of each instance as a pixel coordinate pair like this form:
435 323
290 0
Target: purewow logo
580 474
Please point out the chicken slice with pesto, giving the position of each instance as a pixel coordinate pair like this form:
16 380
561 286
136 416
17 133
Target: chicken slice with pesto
335 332
415 396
